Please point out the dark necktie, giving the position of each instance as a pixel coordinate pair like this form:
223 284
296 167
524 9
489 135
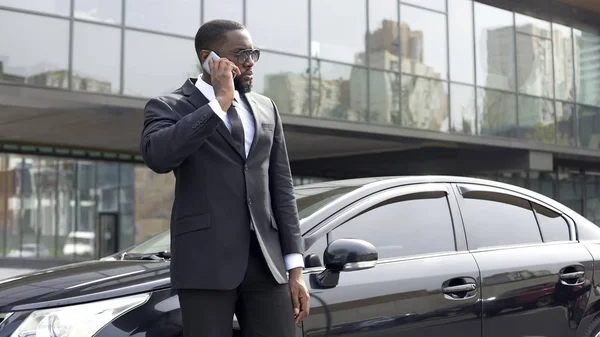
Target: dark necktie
237 129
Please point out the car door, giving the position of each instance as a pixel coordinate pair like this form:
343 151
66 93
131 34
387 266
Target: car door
535 275
425 283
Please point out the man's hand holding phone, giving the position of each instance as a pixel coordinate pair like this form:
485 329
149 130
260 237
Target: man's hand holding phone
222 80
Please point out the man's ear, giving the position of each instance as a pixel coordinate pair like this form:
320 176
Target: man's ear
203 55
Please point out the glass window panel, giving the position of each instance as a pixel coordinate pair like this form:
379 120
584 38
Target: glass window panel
153 202
96 67
494 39
158 15
224 9
108 186
67 217
566 127
3 214
497 113
587 66
534 65
570 189
589 127
29 205
513 178
126 200
564 77
532 26
536 119
424 103
127 174
492 219
108 175
19 64
438 5
423 42
337 91
12 181
343 41
4 192
285 80
462 109
265 16
384 101
126 231
58 7
86 186
46 181
543 183
462 63
383 36
107 11
409 225
592 200
173 61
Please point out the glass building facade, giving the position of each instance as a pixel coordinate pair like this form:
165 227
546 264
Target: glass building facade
450 66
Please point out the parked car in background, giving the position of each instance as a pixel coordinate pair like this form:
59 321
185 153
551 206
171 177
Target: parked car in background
405 256
80 243
30 250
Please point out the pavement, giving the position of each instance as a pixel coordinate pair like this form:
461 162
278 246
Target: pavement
12 272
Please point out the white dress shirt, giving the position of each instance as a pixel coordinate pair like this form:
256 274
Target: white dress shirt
291 260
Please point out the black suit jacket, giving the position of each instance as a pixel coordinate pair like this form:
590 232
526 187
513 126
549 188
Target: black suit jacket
219 192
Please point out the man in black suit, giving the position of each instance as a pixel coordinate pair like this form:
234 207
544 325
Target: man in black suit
234 224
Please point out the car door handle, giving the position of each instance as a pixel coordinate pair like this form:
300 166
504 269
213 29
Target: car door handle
572 276
459 288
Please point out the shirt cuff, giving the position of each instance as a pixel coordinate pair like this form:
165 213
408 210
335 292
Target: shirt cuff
216 107
293 261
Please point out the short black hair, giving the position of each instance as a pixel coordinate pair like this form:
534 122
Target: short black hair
213 32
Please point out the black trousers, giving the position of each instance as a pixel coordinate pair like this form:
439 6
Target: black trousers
262 306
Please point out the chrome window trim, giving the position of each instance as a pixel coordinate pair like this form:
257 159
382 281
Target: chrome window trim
525 245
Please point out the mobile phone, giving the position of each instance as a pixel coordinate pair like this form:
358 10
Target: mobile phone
215 57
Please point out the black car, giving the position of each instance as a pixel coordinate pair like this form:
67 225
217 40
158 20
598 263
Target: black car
406 256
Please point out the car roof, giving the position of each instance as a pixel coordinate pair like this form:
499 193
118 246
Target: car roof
366 186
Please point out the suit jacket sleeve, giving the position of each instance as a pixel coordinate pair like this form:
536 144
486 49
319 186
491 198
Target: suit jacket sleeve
168 139
281 187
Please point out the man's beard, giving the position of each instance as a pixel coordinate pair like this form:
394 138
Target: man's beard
242 88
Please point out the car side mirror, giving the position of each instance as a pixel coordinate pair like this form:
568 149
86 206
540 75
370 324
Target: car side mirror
344 255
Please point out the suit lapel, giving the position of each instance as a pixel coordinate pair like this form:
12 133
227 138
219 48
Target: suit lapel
197 99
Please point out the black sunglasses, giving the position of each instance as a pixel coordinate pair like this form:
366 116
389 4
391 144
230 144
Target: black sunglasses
244 55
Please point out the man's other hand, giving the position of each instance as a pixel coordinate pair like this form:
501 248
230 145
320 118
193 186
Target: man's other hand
300 297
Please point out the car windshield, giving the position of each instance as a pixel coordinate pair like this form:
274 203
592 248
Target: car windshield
309 199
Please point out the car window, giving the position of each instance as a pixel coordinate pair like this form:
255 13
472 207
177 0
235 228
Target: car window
553 226
496 219
412 224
